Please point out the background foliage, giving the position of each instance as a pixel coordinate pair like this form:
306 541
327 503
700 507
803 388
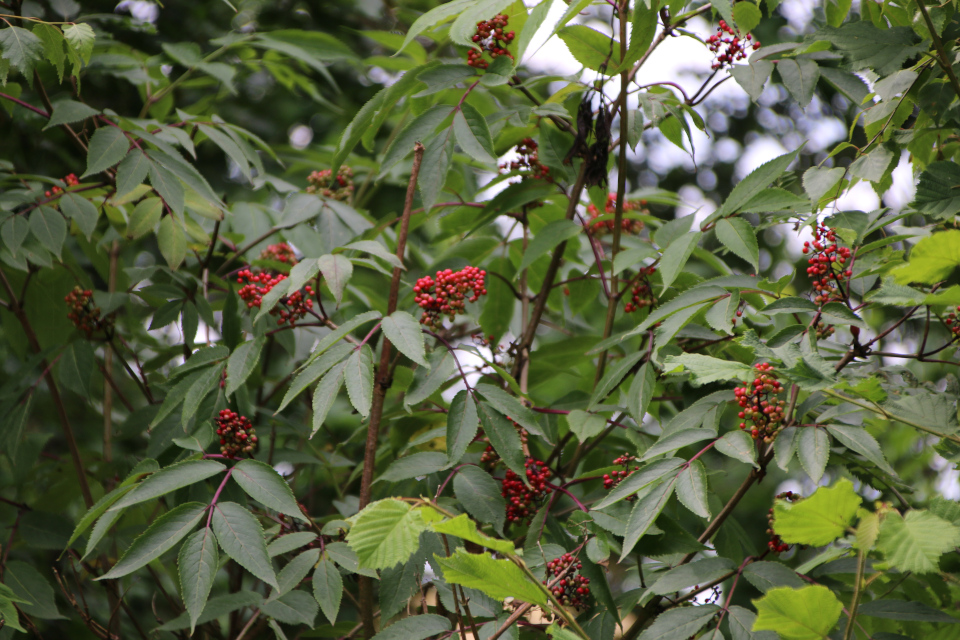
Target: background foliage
634 276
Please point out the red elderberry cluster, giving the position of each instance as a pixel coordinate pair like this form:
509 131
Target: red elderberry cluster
573 590
776 545
84 313
952 320
627 225
280 252
288 310
729 46
447 294
70 180
236 434
527 163
490 458
335 188
761 411
642 293
523 501
827 265
610 480
492 39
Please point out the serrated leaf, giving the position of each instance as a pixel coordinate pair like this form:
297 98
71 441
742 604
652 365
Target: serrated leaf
417 627
328 589
758 180
808 613
427 381
677 440
591 48
499 579
204 385
32 589
53 43
639 479
932 259
294 572
770 575
49 228
314 371
706 369
819 182
242 362
687 575
437 160
747 16
473 135
176 476
406 334
546 239
614 376
68 112
504 438
466 529
480 495
108 146
13 231
585 425
416 465
358 374
81 211
813 449
799 76
198 562
172 241
462 424
692 489
161 536
916 541
80 38
131 172
336 270
326 394
511 408
819 519
385 533
261 482
676 255
643 514
738 235
168 186
241 537
751 77
21 48
905 610
679 623
860 440
738 445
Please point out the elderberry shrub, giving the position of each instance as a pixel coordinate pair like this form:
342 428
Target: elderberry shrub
446 295
573 589
280 252
522 500
324 184
775 544
761 410
612 479
84 313
641 294
729 46
492 39
627 225
258 284
236 433
490 458
828 266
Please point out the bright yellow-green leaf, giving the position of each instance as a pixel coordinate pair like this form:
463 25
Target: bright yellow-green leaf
819 519
807 613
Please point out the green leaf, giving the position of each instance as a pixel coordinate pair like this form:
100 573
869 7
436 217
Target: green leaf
860 440
738 445
336 270
262 483
421 463
293 608
422 128
21 48
49 228
385 533
76 364
131 172
905 610
466 529
820 182
13 231
108 146
639 479
932 259
176 476
326 394
680 623
836 11
208 381
8 612
68 112
462 425
161 536
473 135
675 440
641 391
916 541
172 241
32 589
437 160
216 608
433 17
936 194
692 489
808 613
813 449
499 579
865 46
644 512
747 16
819 519
752 77
591 48
358 373
242 362
770 575
585 425
480 495
53 51
290 542
613 377
799 76
416 627
758 180
198 562
241 537
675 257
696 573
294 572
511 408
706 369
406 334
504 438
80 39
741 625
328 589
81 211
738 235
427 381
314 371
546 239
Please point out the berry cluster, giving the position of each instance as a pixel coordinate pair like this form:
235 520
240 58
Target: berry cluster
952 320
288 310
522 500
447 294
610 480
280 252
824 330
492 39
490 458
627 225
728 46
573 590
70 180
776 545
527 163
84 313
335 188
236 434
827 265
761 411
642 293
